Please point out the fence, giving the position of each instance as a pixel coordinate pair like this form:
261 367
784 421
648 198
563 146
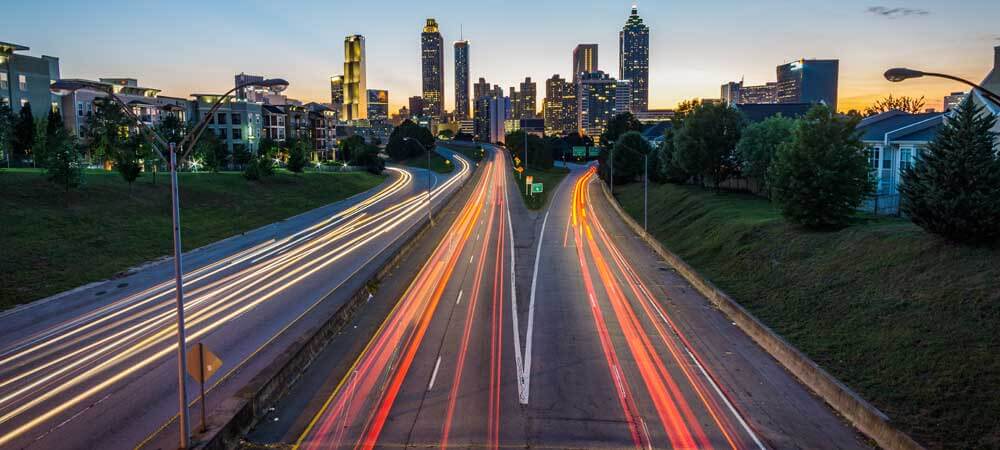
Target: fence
881 204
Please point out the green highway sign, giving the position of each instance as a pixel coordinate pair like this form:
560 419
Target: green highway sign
595 151
536 188
580 152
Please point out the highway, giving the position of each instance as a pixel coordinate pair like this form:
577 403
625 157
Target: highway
597 346
96 368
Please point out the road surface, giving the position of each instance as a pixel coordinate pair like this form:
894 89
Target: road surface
599 345
96 368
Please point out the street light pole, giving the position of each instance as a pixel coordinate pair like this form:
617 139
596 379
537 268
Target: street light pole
645 191
65 87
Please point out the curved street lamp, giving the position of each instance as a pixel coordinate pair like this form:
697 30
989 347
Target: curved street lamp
66 87
898 74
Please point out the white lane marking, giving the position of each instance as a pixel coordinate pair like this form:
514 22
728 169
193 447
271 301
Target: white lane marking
459 298
518 359
470 258
477 235
435 374
525 377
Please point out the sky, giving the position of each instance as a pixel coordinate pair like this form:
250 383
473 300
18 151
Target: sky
185 46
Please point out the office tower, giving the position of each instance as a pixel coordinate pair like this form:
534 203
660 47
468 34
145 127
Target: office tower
515 103
730 94
952 101
499 112
416 106
250 93
354 84
584 60
480 109
552 105
528 106
623 96
337 93
432 61
633 64
808 81
595 102
378 105
461 80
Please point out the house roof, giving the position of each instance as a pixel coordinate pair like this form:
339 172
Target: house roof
272 109
8 47
756 112
900 126
992 80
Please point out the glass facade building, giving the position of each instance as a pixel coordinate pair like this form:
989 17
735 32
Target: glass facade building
808 81
432 64
462 80
633 64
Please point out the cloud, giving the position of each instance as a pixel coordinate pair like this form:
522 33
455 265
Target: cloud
893 13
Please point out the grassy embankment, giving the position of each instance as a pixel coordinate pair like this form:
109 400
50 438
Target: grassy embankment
52 241
439 163
549 178
908 321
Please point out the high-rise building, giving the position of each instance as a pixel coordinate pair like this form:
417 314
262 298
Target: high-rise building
462 80
623 96
378 105
553 107
337 93
515 103
354 83
480 109
499 112
808 81
633 64
528 106
595 102
731 92
432 63
416 106
952 101
584 60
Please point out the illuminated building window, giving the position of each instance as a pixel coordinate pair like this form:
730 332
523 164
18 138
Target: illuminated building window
22 82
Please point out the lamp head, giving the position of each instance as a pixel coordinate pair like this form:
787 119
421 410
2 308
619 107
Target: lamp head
899 74
274 84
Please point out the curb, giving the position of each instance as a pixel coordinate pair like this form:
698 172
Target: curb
240 412
862 415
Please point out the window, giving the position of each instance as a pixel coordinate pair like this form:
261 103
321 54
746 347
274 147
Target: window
79 109
222 133
22 82
237 135
905 158
24 102
222 118
3 80
236 119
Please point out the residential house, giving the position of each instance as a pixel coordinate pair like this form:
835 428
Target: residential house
894 140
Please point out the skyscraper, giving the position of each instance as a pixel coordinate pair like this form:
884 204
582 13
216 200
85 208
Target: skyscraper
633 64
378 105
461 80
558 108
584 60
528 106
355 87
337 93
432 60
515 103
416 106
596 102
808 81
623 96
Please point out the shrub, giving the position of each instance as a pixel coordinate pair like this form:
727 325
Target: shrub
706 142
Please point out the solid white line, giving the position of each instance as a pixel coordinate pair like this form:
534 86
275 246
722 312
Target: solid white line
470 258
518 359
435 374
531 314
459 298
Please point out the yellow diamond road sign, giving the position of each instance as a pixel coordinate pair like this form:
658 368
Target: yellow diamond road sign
202 363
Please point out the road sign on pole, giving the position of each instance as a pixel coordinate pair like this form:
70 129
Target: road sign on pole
579 152
201 365
536 188
528 180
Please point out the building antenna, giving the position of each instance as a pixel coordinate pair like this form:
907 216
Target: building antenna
461 32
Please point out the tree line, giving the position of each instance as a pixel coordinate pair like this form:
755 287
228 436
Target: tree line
816 169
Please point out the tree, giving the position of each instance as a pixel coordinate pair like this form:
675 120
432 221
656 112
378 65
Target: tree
670 170
297 158
683 109
706 142
539 154
63 164
911 105
209 152
463 137
628 157
446 134
399 149
6 131
368 158
105 130
759 143
129 156
351 147
617 126
953 190
40 142
821 175
24 132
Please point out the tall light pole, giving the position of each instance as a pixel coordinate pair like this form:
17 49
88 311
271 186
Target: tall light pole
645 190
66 87
430 215
901 73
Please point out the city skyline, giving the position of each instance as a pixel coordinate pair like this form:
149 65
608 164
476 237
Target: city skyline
687 58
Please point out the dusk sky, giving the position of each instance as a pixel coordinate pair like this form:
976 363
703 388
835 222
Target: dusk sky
186 46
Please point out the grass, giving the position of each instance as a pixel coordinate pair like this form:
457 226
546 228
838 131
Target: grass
52 241
439 163
549 178
469 150
905 319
